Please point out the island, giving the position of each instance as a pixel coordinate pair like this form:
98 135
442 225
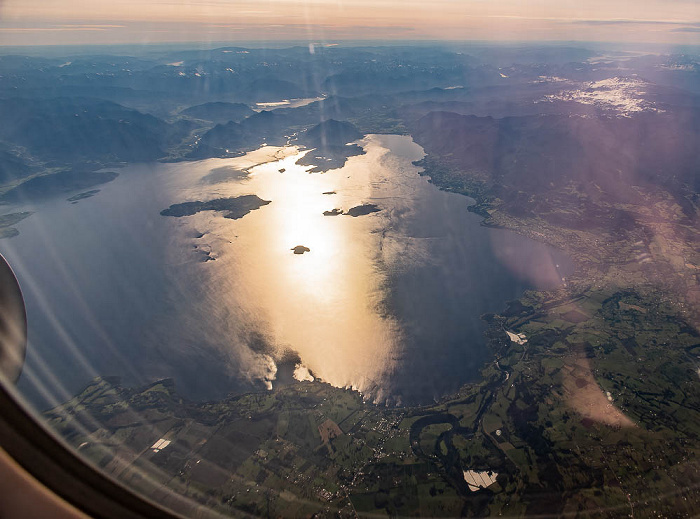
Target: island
361 210
300 249
235 207
82 196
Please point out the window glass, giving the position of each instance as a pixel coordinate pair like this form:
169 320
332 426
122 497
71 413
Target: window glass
357 259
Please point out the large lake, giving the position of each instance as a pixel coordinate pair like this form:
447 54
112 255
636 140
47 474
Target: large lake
388 303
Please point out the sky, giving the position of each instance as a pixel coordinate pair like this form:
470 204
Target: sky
38 22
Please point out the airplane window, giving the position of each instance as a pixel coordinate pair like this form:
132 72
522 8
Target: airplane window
352 259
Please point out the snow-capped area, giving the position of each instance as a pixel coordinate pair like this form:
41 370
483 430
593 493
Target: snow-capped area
687 67
623 95
550 79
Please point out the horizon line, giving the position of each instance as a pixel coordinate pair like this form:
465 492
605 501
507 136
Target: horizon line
339 41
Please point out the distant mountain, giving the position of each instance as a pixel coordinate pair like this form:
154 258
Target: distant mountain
219 112
330 133
265 89
232 138
72 129
532 162
329 138
221 141
339 108
330 141
506 55
540 152
375 79
267 124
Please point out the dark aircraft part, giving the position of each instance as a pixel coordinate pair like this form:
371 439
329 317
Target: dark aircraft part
13 324
37 449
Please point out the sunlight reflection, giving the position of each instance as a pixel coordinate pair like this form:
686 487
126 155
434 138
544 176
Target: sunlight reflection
323 303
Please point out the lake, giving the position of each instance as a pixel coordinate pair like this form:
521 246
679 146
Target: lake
388 303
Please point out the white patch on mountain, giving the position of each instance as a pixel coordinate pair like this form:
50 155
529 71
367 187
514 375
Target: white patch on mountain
622 95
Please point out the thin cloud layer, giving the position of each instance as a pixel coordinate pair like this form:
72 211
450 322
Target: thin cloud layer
128 21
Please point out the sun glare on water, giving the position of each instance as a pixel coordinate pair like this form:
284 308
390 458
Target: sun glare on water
324 304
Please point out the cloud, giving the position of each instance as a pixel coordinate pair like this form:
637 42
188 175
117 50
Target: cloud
687 29
90 26
49 29
634 22
598 21
304 26
63 28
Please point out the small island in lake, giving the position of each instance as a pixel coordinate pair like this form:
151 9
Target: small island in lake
300 249
333 212
361 210
82 196
235 207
